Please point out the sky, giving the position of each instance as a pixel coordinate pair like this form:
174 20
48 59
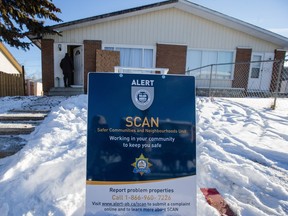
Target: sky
267 14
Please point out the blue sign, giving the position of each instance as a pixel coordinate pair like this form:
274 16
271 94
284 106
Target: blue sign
141 145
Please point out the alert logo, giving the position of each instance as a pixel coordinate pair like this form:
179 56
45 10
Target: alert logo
142 93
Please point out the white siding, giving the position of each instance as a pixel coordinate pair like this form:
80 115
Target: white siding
166 26
6 66
58 55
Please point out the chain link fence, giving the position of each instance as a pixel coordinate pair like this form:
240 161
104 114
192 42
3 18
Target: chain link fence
256 79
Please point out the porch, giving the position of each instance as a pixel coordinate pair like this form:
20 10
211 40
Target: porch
70 91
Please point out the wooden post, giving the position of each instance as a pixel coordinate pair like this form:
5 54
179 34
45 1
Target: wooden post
23 77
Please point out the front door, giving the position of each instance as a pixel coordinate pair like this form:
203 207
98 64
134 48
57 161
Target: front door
78 66
267 68
260 72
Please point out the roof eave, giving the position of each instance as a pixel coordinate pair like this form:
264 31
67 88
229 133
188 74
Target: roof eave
36 40
233 23
114 15
10 57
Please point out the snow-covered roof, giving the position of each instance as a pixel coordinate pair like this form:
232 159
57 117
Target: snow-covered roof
184 5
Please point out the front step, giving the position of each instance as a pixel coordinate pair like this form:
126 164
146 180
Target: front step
29 111
12 117
16 128
62 91
17 122
10 145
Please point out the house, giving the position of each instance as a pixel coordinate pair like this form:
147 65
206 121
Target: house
33 87
174 34
11 74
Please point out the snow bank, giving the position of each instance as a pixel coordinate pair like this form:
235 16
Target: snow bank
242 150
47 177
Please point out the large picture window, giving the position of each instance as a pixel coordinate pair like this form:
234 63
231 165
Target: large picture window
134 57
199 59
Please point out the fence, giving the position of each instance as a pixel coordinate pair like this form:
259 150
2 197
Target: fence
11 84
260 79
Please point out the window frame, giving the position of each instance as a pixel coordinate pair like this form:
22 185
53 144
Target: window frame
129 46
217 59
256 64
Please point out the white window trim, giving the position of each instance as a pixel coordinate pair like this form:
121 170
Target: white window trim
136 47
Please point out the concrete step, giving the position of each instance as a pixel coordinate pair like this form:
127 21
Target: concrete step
23 121
10 142
29 111
62 91
16 128
10 145
44 103
22 116
8 153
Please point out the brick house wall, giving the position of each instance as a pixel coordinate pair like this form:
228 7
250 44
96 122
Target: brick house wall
90 47
241 71
172 57
106 60
279 55
47 56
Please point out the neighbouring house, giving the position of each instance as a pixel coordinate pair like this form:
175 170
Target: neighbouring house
33 87
175 34
11 74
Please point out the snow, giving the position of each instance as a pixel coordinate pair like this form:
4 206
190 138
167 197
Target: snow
29 103
242 150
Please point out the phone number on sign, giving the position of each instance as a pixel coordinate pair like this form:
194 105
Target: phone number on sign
142 197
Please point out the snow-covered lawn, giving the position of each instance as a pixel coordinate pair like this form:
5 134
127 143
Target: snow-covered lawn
242 150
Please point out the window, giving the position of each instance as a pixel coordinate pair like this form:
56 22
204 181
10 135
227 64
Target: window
255 68
201 61
193 61
134 57
208 58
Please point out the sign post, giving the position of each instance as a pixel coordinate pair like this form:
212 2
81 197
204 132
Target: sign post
141 146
